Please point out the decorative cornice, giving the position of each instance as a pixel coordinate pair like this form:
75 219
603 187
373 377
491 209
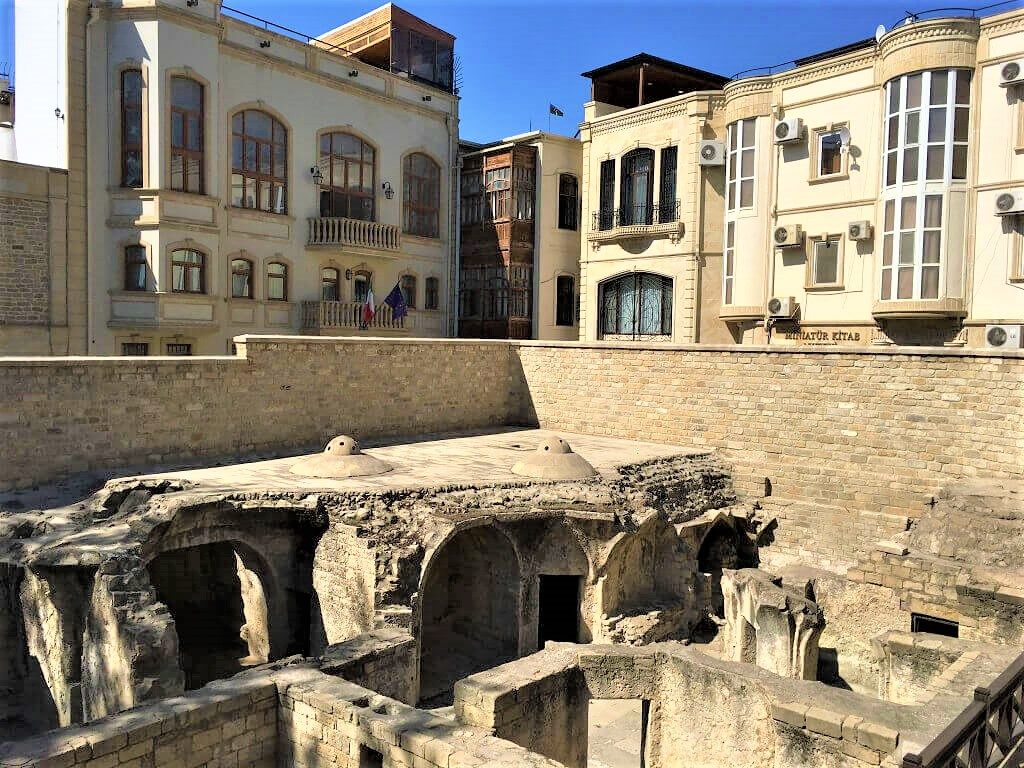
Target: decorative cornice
650 113
938 30
1011 20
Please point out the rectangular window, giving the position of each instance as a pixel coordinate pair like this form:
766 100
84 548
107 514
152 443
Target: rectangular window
739 164
523 180
181 350
1017 250
131 128
135 268
498 193
432 298
472 196
825 262
729 262
830 156
135 349
668 206
568 201
606 208
565 300
186 135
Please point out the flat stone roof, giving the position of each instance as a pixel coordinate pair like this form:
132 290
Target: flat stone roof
431 461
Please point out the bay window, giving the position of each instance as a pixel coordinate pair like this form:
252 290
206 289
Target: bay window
926 136
186 135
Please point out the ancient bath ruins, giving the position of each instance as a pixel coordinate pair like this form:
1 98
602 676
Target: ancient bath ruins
506 596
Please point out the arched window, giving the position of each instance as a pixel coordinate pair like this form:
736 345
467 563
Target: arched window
329 284
408 284
259 163
638 304
241 279
636 187
432 300
135 268
186 135
421 195
277 281
349 186
360 286
131 128
188 271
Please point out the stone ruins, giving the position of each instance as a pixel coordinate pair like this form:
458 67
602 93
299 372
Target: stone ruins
503 595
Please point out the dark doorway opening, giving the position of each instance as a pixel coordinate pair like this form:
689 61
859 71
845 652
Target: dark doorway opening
559 610
370 758
920 622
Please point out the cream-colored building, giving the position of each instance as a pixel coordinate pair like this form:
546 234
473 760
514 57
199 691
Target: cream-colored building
244 179
851 199
520 238
862 185
650 236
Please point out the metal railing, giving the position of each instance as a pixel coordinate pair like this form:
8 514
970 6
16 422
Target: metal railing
347 314
986 733
636 215
336 230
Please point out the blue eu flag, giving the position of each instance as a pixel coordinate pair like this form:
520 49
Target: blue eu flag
396 300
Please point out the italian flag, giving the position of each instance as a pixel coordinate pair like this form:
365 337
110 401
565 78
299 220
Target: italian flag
368 309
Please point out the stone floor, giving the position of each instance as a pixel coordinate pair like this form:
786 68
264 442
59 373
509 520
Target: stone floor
614 733
432 461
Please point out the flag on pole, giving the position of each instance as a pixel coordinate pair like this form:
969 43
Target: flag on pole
553 110
368 309
396 300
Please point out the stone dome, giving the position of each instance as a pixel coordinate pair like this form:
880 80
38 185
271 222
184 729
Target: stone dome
340 459
554 460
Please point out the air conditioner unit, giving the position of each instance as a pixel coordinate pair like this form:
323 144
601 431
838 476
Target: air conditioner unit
788 237
782 307
5 98
1010 203
1012 73
859 230
712 153
790 129
1003 336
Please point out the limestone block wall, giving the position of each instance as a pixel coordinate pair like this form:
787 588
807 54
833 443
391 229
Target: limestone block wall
344 577
835 538
384 660
233 722
24 261
867 429
66 415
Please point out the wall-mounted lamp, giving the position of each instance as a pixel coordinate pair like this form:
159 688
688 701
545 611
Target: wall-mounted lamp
58 114
388 191
353 73
348 274
191 3
316 175
264 43
427 98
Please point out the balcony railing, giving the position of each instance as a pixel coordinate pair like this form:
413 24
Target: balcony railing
988 733
636 215
347 314
331 231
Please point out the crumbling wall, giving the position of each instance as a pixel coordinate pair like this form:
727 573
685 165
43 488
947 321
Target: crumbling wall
54 602
344 576
383 660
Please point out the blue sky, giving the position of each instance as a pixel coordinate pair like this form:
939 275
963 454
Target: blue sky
517 58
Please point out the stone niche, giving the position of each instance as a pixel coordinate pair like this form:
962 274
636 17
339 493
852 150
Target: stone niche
774 626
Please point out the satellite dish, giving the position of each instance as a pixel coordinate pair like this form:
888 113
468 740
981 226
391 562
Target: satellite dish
844 139
879 32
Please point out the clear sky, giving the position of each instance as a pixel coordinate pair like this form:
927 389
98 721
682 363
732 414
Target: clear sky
516 58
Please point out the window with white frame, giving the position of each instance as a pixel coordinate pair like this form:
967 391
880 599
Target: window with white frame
927 125
729 263
830 155
739 164
825 264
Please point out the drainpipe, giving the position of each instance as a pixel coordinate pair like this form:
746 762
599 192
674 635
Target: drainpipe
773 221
451 320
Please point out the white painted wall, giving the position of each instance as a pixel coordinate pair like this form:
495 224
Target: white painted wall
40 66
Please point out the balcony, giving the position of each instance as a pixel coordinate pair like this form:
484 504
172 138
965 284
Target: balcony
636 221
347 315
333 232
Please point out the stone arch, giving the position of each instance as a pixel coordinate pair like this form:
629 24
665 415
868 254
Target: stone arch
469 612
555 562
722 546
645 568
